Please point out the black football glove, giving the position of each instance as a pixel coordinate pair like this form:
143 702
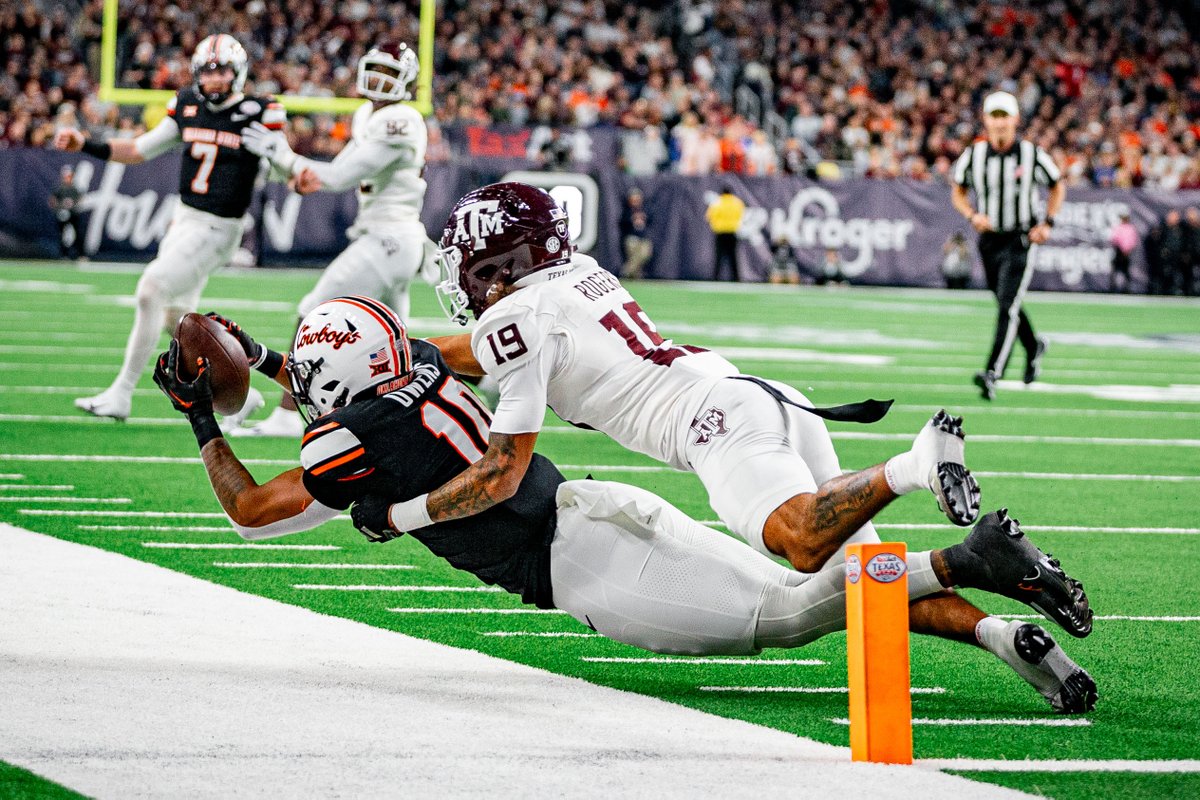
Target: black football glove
370 516
193 398
253 349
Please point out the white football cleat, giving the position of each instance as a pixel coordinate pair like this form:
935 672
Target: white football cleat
282 423
254 401
111 402
1035 656
939 447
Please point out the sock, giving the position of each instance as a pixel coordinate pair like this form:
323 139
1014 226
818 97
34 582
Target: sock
997 637
922 580
903 473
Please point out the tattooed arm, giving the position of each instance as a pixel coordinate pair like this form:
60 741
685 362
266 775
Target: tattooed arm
490 480
278 507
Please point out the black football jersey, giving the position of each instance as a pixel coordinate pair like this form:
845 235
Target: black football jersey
413 440
217 175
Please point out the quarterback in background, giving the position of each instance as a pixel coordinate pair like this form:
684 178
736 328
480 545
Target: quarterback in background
216 181
384 159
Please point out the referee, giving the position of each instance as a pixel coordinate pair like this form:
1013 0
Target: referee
1003 171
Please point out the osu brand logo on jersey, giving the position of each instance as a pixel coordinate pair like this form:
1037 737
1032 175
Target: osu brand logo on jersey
379 363
709 424
477 221
327 336
189 111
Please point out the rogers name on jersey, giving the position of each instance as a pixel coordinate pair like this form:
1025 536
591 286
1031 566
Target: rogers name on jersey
477 221
828 231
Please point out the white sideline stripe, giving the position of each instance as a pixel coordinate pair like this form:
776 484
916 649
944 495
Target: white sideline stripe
87 458
1016 722
40 368
544 634
287 565
1063 412
366 587
87 419
61 499
1051 765
63 512
157 528
42 487
50 350
808 689
236 546
1088 476
735 662
1112 617
904 526
995 438
11 476
476 611
78 391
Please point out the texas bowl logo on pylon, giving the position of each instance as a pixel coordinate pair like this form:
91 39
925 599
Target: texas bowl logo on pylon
853 569
886 567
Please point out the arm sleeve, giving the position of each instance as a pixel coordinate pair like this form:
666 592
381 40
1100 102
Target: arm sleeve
511 347
1045 171
356 163
161 138
315 514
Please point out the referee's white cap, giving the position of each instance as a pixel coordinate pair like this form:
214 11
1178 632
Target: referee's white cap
1001 101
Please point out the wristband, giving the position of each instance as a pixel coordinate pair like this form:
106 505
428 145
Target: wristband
410 515
100 150
268 362
204 426
1048 222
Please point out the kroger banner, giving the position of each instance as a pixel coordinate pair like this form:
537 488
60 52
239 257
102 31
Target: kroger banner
885 232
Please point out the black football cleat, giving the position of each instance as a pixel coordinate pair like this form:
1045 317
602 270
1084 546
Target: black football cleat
986 381
1065 685
1033 369
956 490
997 557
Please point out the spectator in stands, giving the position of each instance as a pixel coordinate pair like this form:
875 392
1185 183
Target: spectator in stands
956 262
643 152
784 268
1173 252
555 153
1124 239
65 204
635 236
725 217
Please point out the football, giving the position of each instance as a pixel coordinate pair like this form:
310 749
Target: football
230 373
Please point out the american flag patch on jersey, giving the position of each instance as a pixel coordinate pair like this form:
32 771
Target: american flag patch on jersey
379 363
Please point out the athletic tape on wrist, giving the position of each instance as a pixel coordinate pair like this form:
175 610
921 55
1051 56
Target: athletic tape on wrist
100 150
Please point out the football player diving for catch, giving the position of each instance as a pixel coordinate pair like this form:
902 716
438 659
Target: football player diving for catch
216 181
385 159
388 420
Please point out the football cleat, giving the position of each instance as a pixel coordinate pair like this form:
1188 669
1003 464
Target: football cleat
109 403
1034 368
986 381
1065 684
997 557
956 490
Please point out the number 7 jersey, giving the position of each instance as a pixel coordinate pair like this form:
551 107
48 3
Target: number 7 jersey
576 340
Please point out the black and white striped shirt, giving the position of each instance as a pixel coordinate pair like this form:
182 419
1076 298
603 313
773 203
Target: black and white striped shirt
1003 182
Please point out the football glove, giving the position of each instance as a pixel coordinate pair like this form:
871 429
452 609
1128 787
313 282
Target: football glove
258 356
193 398
263 142
370 516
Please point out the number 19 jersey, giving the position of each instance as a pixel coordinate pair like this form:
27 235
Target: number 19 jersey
577 341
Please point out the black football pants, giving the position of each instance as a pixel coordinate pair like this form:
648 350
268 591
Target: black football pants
1006 266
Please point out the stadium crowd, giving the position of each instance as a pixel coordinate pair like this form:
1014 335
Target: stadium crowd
826 87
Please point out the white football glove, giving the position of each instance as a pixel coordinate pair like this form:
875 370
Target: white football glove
430 270
263 142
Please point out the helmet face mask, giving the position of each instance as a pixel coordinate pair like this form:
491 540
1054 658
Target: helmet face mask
346 349
217 52
385 72
497 235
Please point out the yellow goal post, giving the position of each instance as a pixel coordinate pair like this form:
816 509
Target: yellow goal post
298 104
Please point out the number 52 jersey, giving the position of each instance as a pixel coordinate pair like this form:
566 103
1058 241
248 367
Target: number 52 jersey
577 341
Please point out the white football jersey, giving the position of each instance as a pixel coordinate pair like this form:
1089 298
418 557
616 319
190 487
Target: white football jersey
397 191
577 341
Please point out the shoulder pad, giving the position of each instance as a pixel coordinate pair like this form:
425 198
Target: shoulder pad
331 451
508 335
396 124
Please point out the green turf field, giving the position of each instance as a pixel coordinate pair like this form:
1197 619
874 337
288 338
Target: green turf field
1101 463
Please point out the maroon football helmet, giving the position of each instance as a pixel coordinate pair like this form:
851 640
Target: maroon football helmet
499 233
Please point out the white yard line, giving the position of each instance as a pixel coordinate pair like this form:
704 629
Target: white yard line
991 438
293 565
807 689
94 458
235 546
1113 617
912 526
158 528
724 661
476 611
1049 722
41 487
1088 476
64 512
61 499
321 587
543 634
1057 412
11 476
1065 765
